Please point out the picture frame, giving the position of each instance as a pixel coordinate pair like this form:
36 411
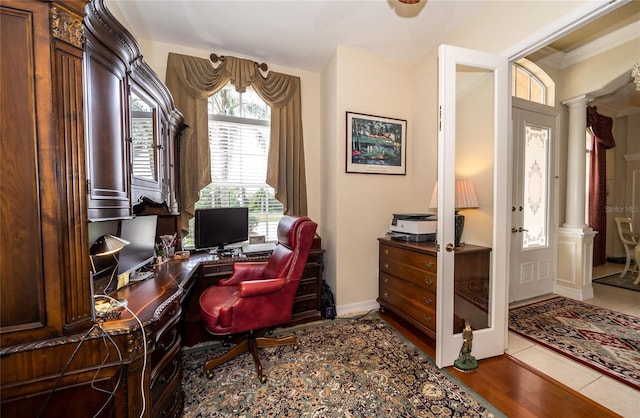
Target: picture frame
376 144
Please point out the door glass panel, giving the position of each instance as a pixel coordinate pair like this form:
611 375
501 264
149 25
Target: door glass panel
474 162
143 140
536 163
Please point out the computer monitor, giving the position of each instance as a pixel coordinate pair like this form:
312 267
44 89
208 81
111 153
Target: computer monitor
141 234
217 227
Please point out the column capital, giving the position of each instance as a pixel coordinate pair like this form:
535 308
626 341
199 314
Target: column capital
581 100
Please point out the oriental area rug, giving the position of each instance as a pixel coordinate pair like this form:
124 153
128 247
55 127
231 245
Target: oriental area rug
342 368
604 340
625 282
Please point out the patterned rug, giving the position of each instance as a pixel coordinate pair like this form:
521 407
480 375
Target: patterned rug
343 368
625 282
604 340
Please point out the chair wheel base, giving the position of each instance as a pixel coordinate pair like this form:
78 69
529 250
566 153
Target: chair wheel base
263 379
209 374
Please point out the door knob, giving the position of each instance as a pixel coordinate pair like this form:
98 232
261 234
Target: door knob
450 247
521 229
514 230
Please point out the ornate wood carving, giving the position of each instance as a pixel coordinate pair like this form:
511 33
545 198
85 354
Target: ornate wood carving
66 25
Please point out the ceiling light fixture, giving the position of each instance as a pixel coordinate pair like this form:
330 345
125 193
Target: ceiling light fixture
409 1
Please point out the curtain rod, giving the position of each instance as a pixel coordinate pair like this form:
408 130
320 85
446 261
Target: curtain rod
215 58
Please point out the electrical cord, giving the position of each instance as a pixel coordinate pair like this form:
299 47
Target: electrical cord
144 344
64 369
348 318
111 393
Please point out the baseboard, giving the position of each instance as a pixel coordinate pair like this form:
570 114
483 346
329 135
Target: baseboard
572 293
356 308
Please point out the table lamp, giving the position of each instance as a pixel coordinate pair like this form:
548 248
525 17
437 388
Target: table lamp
465 198
107 245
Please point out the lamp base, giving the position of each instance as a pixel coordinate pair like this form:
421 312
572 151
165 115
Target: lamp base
459 227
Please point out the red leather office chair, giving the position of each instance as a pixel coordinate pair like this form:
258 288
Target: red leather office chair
259 295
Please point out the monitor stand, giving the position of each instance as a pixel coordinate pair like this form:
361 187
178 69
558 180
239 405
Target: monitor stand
224 252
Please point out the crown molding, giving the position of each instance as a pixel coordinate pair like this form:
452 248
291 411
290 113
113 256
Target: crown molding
561 60
602 44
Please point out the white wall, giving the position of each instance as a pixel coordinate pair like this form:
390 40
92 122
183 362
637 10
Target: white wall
363 204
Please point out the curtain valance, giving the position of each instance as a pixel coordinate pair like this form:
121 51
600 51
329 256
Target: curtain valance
192 80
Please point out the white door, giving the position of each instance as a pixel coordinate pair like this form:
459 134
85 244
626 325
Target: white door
474 95
533 252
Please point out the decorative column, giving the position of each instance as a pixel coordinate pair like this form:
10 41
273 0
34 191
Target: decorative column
575 238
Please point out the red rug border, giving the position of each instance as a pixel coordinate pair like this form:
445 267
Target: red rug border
599 369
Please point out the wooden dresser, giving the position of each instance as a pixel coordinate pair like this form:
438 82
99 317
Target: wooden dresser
408 281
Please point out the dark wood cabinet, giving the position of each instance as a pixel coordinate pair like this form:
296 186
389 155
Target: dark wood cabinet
108 186
65 76
43 253
132 123
408 283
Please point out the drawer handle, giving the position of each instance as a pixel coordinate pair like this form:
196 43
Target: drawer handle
385 294
174 338
386 265
428 318
428 281
429 263
386 251
428 301
386 280
175 363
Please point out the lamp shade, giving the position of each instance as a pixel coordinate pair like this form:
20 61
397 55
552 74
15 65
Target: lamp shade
107 244
466 197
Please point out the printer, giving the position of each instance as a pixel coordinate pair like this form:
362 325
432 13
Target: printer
413 227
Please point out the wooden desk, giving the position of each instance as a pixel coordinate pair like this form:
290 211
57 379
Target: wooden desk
169 304
143 371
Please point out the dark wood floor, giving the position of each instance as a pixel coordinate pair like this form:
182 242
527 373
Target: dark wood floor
511 386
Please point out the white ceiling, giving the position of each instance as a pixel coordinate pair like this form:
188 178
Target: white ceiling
300 34
303 34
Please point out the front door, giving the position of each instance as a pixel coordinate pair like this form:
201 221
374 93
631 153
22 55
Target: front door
532 258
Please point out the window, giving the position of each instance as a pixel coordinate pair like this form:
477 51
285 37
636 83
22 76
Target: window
142 139
239 126
526 85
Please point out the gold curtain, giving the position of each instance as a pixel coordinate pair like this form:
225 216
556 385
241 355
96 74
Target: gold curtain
191 81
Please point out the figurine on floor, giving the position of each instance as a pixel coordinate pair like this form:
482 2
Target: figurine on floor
465 361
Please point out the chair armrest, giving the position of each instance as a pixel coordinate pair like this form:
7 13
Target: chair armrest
260 287
245 271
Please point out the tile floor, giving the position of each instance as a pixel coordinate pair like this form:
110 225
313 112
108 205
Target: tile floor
606 391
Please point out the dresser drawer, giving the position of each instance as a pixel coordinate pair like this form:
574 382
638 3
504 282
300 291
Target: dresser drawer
214 270
304 304
400 303
167 337
402 294
166 384
308 287
398 257
168 317
419 277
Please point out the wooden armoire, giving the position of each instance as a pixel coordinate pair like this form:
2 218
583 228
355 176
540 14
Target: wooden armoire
70 74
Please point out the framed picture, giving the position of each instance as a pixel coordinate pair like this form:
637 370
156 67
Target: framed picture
376 145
